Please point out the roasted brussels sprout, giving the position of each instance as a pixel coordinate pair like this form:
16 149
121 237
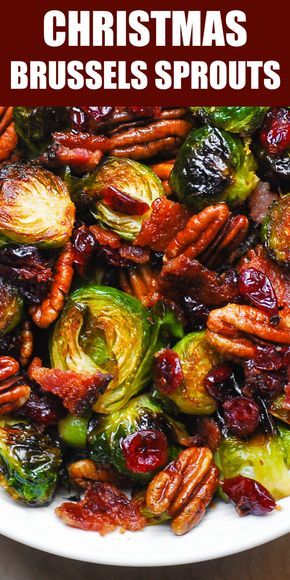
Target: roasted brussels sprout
242 120
196 358
73 431
35 207
35 125
138 440
276 230
264 458
10 307
120 192
30 462
102 328
213 165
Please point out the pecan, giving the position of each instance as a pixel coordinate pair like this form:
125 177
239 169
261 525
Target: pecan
184 488
140 282
103 508
13 394
230 330
78 391
8 135
26 343
47 312
210 235
84 471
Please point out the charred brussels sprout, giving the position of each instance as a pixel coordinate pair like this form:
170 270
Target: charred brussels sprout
276 230
213 165
35 125
105 329
121 192
138 440
264 458
35 207
242 120
196 358
29 463
10 307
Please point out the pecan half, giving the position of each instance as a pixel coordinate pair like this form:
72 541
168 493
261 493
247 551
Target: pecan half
48 311
85 471
140 282
8 135
184 488
13 394
230 329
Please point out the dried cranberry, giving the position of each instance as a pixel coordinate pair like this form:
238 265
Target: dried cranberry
257 287
145 111
242 416
84 246
168 375
268 358
44 409
250 496
28 269
220 382
145 450
195 311
275 133
122 202
98 113
267 384
78 119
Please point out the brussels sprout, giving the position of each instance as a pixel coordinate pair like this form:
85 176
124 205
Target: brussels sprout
213 165
264 458
242 120
73 431
35 207
35 125
11 305
197 358
29 463
121 192
276 230
105 329
138 440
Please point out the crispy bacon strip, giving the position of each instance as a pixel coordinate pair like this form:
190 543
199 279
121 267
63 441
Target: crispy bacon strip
78 391
103 509
166 219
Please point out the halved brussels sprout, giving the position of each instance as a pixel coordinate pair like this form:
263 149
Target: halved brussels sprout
35 207
213 165
264 458
138 440
242 120
35 125
29 463
197 358
276 230
11 305
102 328
121 192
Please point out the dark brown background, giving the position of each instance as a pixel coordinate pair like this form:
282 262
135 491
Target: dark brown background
21 38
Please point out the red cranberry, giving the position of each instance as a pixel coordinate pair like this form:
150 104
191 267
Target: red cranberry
98 113
218 381
196 312
275 133
242 416
145 450
123 203
44 409
257 287
78 119
268 358
168 375
250 496
84 245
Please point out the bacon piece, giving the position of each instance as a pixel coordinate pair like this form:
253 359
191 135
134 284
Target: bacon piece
103 509
78 391
260 200
167 218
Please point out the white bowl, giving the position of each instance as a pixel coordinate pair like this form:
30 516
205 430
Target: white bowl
222 532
